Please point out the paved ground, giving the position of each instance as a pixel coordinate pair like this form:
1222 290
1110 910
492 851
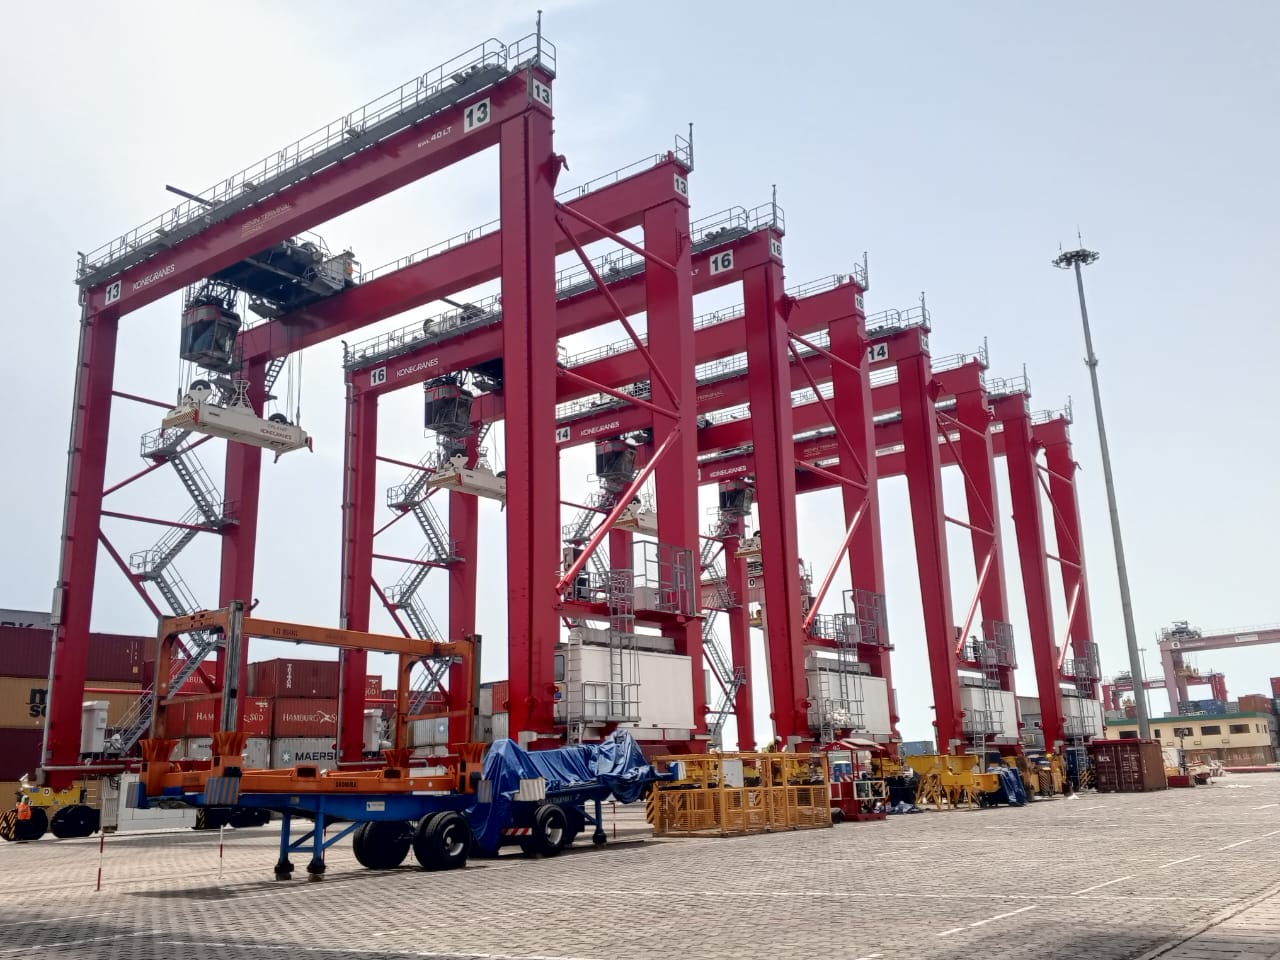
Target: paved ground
1183 875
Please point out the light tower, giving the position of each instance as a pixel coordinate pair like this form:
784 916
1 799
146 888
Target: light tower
1076 259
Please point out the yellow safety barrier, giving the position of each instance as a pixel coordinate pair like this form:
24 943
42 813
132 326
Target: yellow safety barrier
731 794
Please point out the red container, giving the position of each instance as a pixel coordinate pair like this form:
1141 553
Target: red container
200 719
294 678
304 717
19 752
1275 686
24 652
501 696
1255 703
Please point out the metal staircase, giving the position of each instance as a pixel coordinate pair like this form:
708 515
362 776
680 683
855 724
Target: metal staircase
624 660
731 678
415 497
156 565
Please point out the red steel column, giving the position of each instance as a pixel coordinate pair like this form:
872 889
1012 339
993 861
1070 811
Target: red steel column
977 460
242 484
1024 492
359 500
464 531
739 617
669 311
851 397
769 378
73 599
924 487
1066 517
527 210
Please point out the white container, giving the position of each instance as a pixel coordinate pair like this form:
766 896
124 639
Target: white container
308 751
93 726
256 755
501 727
664 697
431 732
486 701
129 818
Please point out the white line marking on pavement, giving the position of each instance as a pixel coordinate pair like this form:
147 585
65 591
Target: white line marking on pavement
1172 863
870 956
381 951
1240 843
1098 886
947 933
1266 805
80 943
1001 916
78 916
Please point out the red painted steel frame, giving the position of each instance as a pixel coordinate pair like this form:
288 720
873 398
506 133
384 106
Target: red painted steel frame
359 502
528 207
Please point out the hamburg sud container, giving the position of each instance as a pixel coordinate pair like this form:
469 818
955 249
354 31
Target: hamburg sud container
200 719
304 717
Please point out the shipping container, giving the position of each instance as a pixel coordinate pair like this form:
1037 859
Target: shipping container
24 701
1127 766
291 751
24 652
501 726
153 818
304 717
294 678
1255 703
1275 687
257 751
429 733
501 696
20 752
201 718
25 618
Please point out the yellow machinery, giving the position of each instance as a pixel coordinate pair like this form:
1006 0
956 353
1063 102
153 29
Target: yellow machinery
727 794
70 813
950 781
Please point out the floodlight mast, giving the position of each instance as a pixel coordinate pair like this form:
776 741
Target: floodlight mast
1075 259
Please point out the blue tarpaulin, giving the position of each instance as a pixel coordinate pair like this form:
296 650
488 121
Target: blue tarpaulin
1012 791
583 771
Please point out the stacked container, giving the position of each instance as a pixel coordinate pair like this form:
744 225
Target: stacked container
114 663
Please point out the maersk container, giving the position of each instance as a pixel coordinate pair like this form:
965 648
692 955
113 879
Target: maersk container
292 751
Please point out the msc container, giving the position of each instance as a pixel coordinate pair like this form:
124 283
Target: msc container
24 701
291 751
19 753
304 717
294 678
257 751
1127 766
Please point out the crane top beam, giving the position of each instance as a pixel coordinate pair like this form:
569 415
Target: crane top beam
1186 640
436 119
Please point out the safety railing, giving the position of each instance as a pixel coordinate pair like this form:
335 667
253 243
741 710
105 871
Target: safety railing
1065 412
1008 386
483 312
892 320
683 154
472 70
956 360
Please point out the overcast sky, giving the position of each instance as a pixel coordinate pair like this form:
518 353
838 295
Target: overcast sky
958 143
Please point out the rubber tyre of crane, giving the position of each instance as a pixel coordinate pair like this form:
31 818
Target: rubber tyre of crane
24 831
442 841
382 844
550 828
74 822
837 815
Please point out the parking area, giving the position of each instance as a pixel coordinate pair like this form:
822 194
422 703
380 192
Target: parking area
1102 877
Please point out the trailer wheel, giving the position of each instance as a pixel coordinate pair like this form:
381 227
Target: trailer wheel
212 818
442 841
74 821
837 815
550 828
243 817
22 831
382 844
